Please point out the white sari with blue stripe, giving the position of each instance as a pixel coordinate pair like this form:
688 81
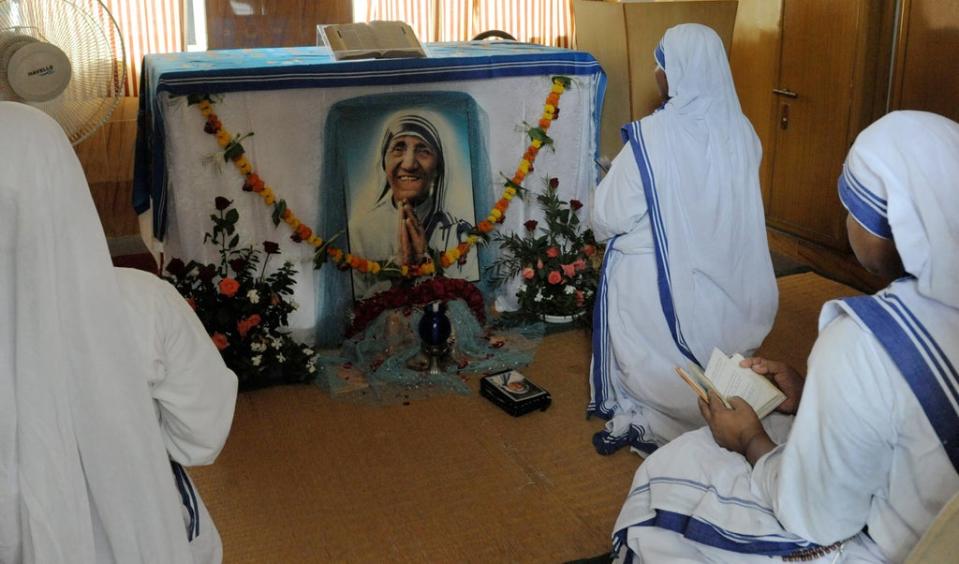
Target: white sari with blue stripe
687 266
876 442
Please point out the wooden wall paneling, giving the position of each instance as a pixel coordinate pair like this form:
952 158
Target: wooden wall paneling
925 76
107 160
754 59
601 31
236 24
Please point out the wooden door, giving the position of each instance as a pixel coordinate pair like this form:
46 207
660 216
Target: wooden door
816 103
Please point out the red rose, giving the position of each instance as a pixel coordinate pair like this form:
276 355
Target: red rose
228 287
271 248
222 203
531 224
176 267
553 183
554 277
589 250
575 204
552 252
569 270
220 340
528 273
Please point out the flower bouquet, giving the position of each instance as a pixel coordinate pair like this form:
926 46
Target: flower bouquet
558 263
243 308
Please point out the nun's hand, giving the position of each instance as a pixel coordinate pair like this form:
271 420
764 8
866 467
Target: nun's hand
736 428
783 376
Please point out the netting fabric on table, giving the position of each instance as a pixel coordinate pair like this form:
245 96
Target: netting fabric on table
373 365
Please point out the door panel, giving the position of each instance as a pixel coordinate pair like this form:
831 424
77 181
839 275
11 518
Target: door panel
819 57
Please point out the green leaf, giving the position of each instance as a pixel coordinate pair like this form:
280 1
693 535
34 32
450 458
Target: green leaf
197 98
278 209
232 216
234 149
234 241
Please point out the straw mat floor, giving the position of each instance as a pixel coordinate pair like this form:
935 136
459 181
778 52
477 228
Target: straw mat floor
306 478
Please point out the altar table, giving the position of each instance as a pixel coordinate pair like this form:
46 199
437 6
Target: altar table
284 97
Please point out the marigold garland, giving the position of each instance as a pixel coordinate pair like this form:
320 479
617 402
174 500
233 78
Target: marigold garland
233 151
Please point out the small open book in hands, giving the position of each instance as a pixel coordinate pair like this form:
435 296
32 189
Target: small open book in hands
725 377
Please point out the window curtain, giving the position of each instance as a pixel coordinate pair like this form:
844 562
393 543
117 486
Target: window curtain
147 26
547 22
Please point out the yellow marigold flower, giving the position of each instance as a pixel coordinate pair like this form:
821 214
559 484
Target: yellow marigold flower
223 137
269 200
454 254
557 88
204 104
509 192
427 268
206 111
496 214
490 218
288 217
244 165
348 258
524 166
404 270
315 241
507 196
374 267
294 222
267 192
536 143
549 108
472 239
547 116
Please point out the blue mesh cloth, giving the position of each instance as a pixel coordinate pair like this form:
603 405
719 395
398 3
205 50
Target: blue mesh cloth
374 364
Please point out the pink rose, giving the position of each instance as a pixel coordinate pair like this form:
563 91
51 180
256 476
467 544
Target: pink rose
569 270
528 273
579 264
554 277
539 264
589 250
552 252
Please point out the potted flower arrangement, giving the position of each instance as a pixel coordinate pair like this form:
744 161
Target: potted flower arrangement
558 263
244 306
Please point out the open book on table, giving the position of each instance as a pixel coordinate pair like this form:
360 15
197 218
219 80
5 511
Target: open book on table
724 376
374 40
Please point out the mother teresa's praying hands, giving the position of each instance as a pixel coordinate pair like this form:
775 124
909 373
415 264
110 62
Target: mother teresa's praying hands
411 236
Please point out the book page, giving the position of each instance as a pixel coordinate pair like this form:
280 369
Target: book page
351 41
731 379
395 36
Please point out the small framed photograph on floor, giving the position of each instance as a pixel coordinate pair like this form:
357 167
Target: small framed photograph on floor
514 393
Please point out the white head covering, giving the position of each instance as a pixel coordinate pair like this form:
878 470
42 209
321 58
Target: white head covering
901 181
79 442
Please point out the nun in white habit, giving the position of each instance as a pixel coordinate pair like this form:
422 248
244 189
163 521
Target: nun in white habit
85 471
874 449
687 266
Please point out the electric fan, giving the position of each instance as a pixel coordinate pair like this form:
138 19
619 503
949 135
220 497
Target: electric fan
64 57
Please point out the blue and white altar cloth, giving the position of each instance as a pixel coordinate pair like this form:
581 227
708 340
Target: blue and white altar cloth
284 95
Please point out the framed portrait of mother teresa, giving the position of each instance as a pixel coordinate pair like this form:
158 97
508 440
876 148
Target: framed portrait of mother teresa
407 164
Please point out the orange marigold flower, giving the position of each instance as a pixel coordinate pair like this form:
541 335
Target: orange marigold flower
445 261
304 231
427 268
364 266
552 99
502 205
544 124
463 248
228 287
485 226
287 213
518 177
375 267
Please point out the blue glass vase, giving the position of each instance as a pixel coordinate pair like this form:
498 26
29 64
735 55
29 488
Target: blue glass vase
435 327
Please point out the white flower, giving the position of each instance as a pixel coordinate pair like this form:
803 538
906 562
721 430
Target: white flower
277 343
294 305
522 289
258 346
538 297
307 351
253 297
311 367
280 358
257 359
570 290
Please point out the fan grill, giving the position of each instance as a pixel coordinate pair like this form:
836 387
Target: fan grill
87 33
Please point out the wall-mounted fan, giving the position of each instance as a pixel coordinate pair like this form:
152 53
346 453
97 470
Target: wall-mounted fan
65 57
